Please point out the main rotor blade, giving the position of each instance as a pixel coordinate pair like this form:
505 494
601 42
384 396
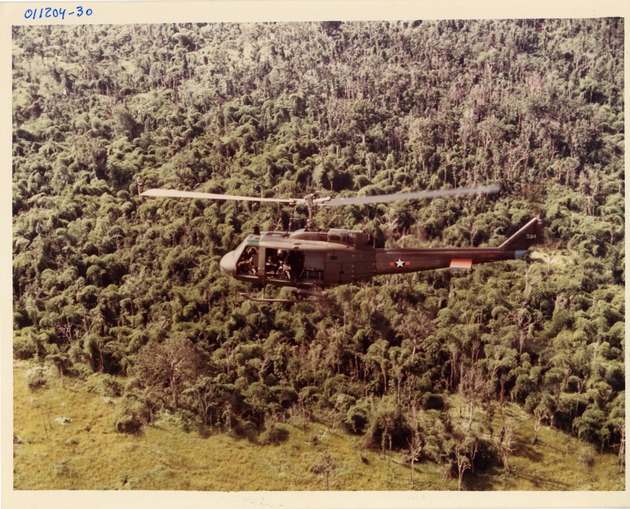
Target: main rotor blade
414 195
173 193
328 202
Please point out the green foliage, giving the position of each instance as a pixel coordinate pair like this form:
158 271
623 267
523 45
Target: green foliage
388 427
108 282
358 417
36 378
274 435
105 385
24 345
217 461
132 416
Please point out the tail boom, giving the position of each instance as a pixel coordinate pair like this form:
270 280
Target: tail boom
392 261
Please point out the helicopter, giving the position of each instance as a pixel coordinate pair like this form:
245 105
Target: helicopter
310 260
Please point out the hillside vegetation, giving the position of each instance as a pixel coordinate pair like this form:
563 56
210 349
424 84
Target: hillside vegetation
124 295
66 440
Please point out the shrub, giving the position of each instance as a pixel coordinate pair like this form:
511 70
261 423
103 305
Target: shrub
82 371
285 396
36 378
342 402
334 385
63 469
274 434
105 385
357 417
243 428
133 415
587 460
182 419
432 401
128 423
24 348
388 427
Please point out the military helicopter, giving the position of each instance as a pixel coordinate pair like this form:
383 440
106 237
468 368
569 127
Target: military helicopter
310 259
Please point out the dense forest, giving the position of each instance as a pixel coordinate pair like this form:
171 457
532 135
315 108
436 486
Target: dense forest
107 282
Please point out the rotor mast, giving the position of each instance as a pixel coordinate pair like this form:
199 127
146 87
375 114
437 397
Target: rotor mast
311 205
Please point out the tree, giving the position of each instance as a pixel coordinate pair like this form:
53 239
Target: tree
271 109
463 463
169 367
505 443
415 450
325 467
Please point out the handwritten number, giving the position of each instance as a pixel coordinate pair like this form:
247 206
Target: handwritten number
50 12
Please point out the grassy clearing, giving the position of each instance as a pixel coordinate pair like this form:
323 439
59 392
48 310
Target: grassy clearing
65 439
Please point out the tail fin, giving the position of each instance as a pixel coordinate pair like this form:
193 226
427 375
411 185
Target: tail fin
528 235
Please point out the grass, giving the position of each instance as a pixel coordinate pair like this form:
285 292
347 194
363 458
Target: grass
87 453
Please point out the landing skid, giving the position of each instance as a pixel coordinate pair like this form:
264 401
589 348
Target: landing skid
301 296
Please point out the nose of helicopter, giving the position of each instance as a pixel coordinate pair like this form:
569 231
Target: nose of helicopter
228 264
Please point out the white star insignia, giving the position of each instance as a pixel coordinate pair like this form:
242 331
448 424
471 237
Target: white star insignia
400 263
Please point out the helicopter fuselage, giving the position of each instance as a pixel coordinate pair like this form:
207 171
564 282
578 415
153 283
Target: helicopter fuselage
311 259
324 258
